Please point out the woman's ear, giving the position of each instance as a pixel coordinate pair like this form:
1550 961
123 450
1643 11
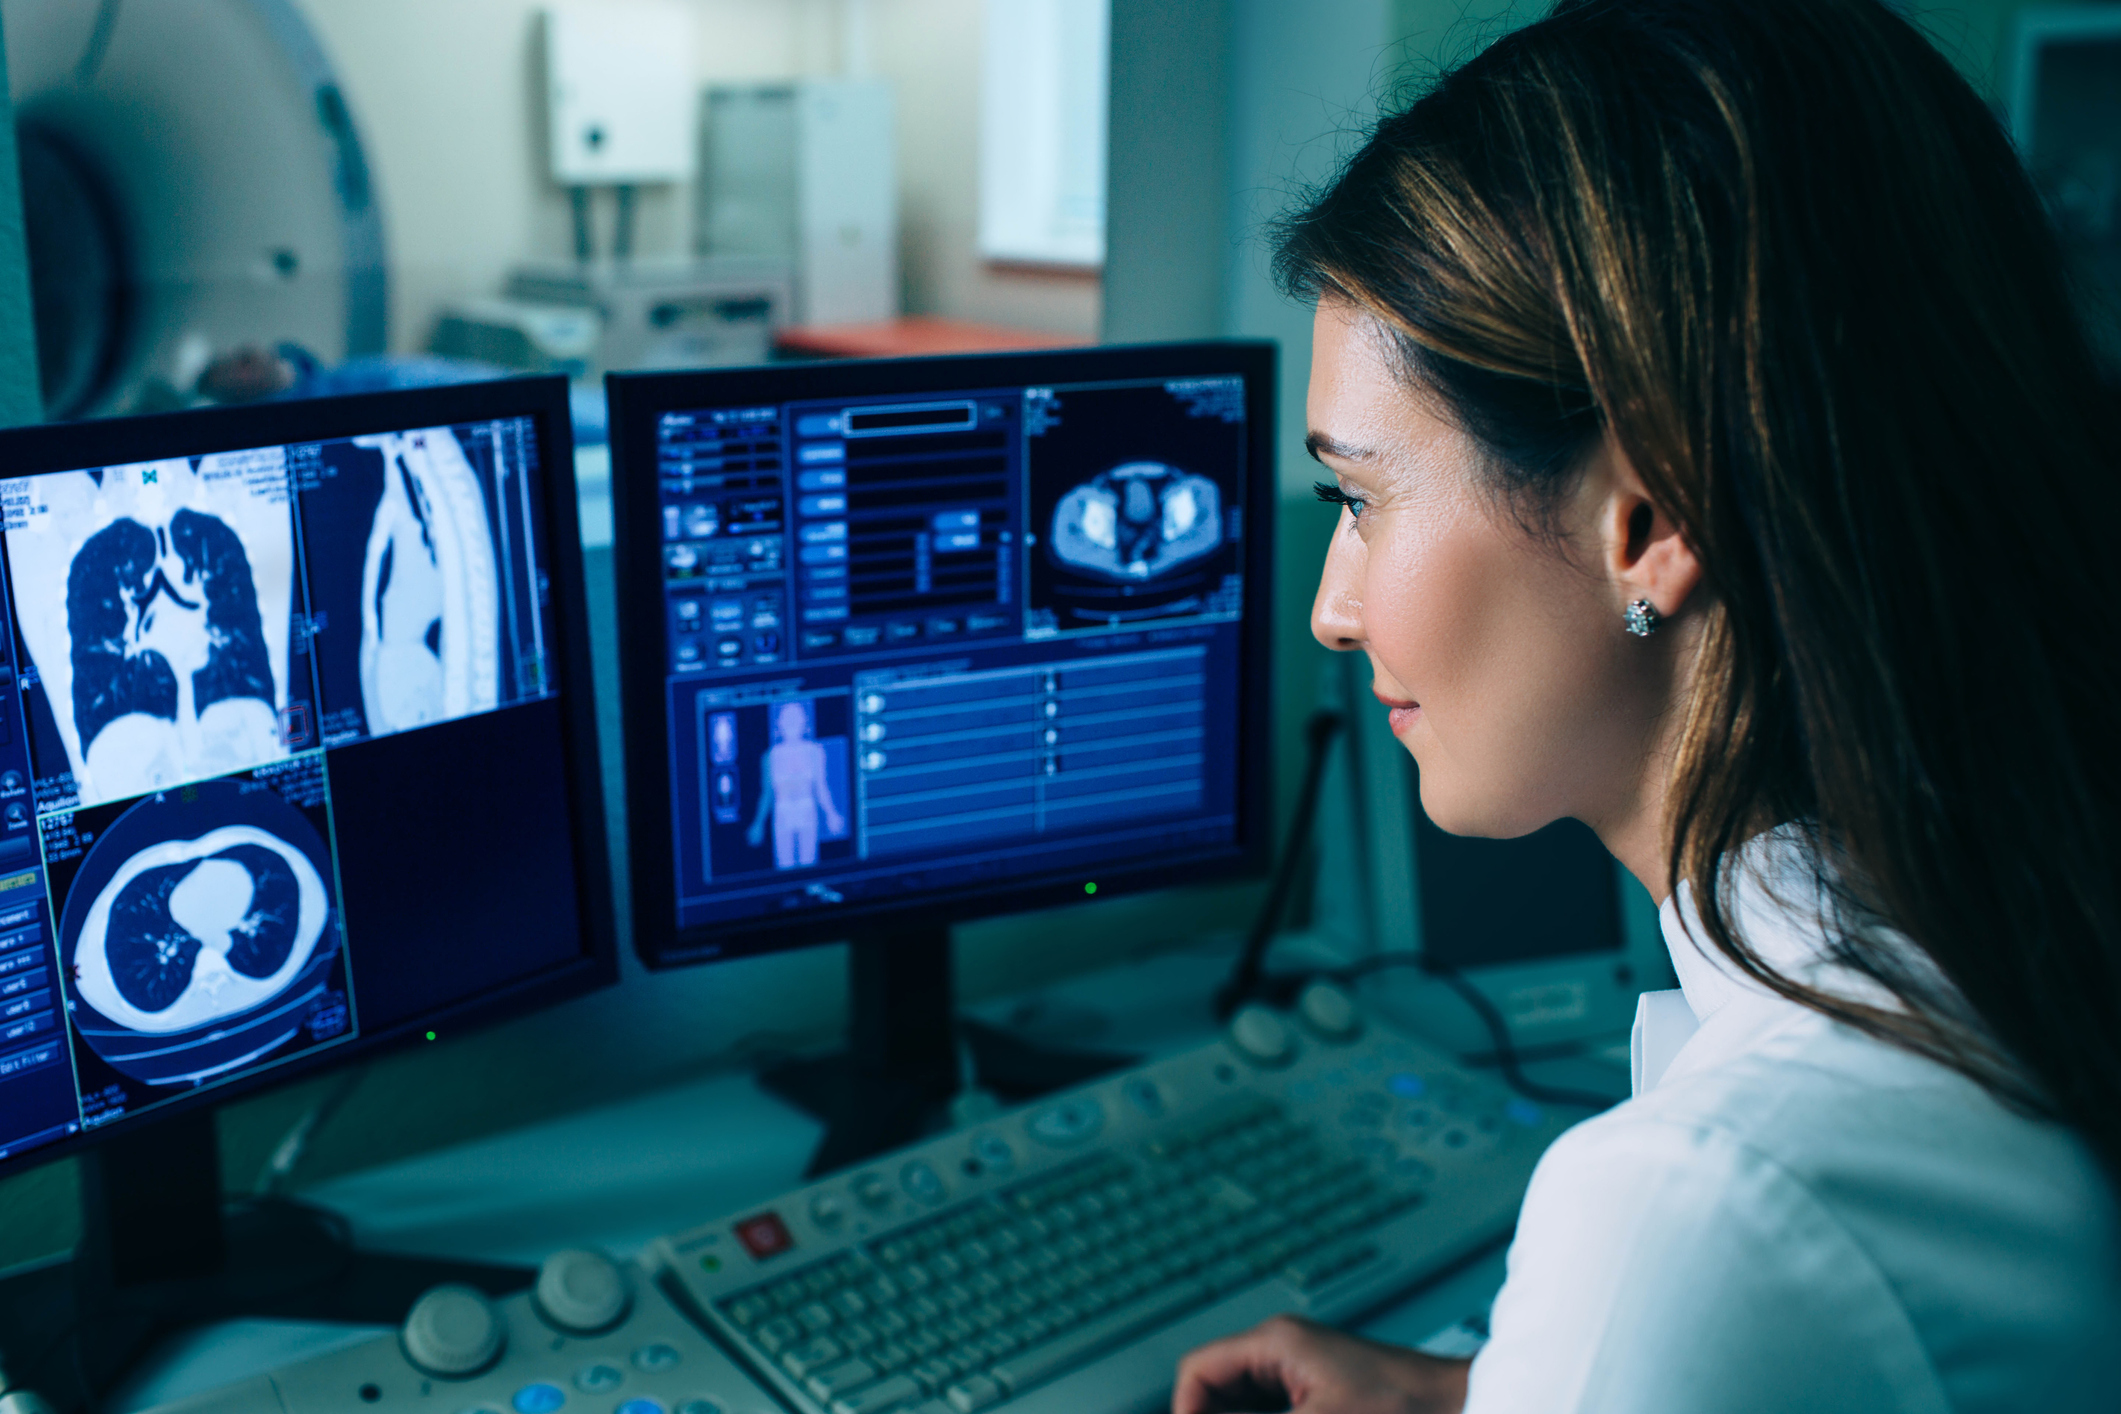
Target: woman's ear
1643 551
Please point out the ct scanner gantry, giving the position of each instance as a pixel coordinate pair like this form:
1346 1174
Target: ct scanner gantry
192 182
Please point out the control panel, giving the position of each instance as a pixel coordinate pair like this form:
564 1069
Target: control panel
593 1336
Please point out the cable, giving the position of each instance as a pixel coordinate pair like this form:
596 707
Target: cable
1506 1058
91 61
279 1170
1245 977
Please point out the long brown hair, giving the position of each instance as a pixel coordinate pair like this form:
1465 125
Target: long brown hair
1784 256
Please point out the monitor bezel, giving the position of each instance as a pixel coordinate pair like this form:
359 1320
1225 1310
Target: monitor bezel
34 450
635 402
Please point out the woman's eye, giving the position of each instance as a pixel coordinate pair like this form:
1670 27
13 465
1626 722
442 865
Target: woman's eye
1326 491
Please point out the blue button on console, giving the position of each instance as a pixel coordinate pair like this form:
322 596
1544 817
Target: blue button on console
1524 1112
538 1399
639 1406
1407 1085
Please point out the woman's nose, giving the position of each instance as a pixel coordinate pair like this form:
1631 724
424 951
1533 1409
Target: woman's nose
1336 613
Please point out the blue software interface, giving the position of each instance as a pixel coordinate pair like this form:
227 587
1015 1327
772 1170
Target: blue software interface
929 643
236 693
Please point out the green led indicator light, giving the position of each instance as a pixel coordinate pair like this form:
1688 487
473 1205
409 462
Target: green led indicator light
1091 887
430 1035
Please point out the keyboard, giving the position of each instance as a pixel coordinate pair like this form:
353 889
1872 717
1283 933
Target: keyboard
1063 1258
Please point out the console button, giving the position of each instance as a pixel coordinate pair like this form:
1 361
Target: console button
599 1379
699 1406
922 1182
1262 1036
579 1290
640 1406
656 1357
994 1151
540 1398
1068 1122
1330 1012
452 1331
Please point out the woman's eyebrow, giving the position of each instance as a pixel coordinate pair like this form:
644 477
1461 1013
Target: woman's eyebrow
1320 442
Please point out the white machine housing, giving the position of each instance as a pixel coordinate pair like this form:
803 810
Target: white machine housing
619 91
806 172
193 183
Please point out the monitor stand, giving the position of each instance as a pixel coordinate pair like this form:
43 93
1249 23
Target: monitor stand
894 1081
161 1249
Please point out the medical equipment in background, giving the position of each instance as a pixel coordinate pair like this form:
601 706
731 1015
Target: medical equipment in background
713 312
125 115
806 172
618 98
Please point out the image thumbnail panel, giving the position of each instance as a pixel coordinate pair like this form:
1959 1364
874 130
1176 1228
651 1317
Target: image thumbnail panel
426 596
1136 503
198 932
775 787
156 605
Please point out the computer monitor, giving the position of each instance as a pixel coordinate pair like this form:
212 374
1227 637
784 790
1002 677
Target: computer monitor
1549 927
297 764
912 641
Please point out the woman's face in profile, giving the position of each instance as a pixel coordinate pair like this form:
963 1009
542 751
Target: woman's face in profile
1500 654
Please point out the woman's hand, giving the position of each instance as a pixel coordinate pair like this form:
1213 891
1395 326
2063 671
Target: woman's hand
1293 1364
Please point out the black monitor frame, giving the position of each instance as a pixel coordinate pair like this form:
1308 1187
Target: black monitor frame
31 451
637 400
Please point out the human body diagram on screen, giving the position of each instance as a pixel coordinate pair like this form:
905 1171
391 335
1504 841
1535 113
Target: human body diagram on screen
795 790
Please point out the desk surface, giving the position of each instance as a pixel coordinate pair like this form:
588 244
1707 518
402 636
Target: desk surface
915 334
618 1176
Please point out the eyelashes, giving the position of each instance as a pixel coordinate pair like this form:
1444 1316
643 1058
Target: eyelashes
1332 495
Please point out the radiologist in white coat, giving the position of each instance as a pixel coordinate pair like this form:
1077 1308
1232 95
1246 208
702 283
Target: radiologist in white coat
1721 463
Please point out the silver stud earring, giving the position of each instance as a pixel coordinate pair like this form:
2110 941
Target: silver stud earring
1643 618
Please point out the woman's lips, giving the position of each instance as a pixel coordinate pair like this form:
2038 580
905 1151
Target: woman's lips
1403 713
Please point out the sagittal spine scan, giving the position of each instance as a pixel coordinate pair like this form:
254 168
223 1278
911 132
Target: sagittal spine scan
429 619
1137 521
197 943
164 656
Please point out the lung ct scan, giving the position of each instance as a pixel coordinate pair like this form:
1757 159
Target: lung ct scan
229 669
200 929
155 603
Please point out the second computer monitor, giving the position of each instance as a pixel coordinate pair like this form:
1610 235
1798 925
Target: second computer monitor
932 639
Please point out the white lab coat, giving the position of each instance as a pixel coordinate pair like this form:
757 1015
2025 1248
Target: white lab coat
1790 1216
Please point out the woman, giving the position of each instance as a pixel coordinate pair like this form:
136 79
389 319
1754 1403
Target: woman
1722 465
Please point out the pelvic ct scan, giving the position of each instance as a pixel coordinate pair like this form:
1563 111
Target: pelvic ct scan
199 933
430 622
1137 521
795 790
154 600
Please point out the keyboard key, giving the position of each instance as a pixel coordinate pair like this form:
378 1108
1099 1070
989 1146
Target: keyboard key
813 1354
777 1335
973 1394
835 1380
1030 1367
886 1394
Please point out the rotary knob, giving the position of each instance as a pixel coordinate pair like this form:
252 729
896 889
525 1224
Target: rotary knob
453 1331
1262 1036
1329 1011
580 1291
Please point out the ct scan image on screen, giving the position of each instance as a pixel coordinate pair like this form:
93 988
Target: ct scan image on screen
200 646
1137 494
156 604
431 612
198 930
